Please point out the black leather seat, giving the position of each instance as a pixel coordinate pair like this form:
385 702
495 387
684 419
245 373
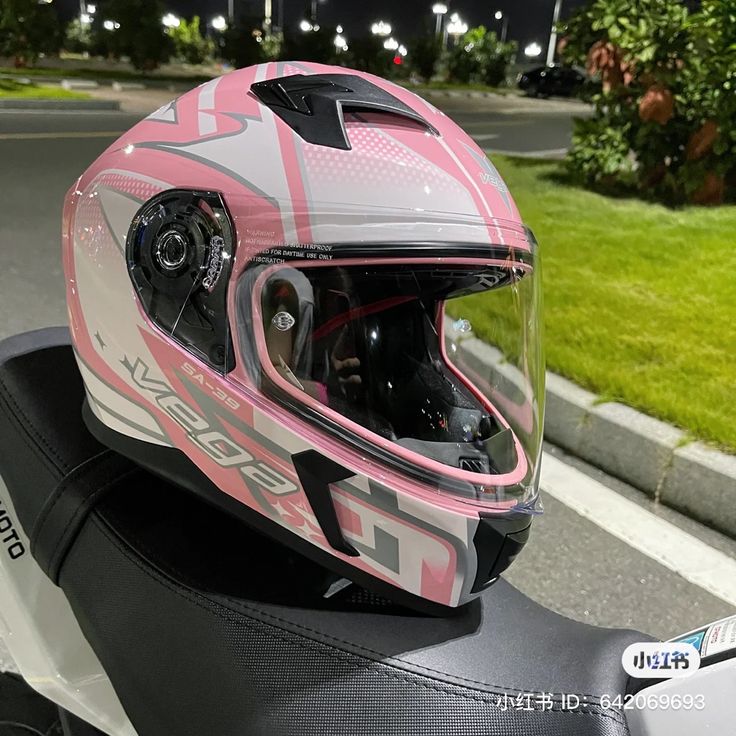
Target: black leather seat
206 628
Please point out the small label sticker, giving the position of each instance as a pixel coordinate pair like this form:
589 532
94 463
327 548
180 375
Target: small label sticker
283 321
716 638
721 637
662 660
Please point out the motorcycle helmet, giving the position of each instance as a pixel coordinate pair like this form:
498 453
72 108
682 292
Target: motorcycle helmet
266 281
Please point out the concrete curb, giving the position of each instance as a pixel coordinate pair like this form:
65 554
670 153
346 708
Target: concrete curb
646 453
61 104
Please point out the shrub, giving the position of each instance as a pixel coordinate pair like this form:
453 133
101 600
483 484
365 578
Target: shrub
189 43
664 117
28 29
481 58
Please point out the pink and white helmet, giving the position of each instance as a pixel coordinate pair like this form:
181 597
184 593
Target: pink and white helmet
257 276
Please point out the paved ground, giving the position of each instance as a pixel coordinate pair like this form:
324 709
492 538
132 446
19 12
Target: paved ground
516 125
572 565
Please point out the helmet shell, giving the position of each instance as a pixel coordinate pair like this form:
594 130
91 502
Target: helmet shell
399 181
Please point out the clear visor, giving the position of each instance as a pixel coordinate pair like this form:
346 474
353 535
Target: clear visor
368 352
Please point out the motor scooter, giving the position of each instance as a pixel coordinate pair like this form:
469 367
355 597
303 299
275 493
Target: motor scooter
133 608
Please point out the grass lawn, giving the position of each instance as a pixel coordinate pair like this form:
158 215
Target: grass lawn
640 300
11 88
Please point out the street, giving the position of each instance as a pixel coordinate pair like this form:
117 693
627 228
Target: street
515 125
572 564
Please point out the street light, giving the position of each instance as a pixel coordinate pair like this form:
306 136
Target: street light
391 44
340 43
402 50
532 50
111 25
219 23
381 28
85 19
439 10
552 46
91 9
306 26
171 21
457 26
500 15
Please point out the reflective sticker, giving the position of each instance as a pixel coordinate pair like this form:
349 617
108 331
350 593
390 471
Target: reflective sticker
718 637
696 638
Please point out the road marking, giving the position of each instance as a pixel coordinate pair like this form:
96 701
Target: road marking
486 136
60 134
546 153
77 113
664 542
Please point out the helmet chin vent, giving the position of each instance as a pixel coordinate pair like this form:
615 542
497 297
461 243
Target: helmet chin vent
474 464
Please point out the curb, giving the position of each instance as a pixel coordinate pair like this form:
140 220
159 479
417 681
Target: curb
644 452
61 104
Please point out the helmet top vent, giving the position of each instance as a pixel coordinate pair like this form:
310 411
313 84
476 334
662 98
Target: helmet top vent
314 105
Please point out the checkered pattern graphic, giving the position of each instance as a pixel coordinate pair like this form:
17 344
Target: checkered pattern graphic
377 160
91 231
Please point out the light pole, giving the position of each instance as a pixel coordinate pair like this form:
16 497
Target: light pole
340 41
552 47
457 26
231 11
440 10
500 15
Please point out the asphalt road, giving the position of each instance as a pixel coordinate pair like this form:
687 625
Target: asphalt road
515 125
571 565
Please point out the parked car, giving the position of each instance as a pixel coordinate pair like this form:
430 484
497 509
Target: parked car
544 81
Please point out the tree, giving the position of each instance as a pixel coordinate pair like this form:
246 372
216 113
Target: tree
664 117
317 46
425 53
28 29
240 43
480 57
189 43
78 37
141 36
368 54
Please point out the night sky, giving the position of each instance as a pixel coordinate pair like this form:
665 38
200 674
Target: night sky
529 20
